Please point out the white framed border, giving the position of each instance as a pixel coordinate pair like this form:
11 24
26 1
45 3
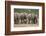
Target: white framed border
25 28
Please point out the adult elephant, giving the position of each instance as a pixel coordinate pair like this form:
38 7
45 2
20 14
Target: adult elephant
29 18
25 18
16 18
22 18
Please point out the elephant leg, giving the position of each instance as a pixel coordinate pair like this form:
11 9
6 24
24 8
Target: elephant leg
29 22
18 22
21 20
25 21
15 22
35 21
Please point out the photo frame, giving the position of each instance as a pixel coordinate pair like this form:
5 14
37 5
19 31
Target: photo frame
16 6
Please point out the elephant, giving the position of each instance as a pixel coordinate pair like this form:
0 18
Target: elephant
35 19
25 18
29 18
22 17
16 18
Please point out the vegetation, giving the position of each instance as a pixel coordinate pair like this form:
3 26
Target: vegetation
34 11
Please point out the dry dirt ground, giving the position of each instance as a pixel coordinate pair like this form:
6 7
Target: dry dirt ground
25 25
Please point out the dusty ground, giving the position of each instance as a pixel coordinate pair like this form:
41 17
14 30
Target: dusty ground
24 25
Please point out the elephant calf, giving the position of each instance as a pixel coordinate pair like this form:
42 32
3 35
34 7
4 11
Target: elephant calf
35 19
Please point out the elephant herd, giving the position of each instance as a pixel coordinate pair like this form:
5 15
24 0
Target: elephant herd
25 18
